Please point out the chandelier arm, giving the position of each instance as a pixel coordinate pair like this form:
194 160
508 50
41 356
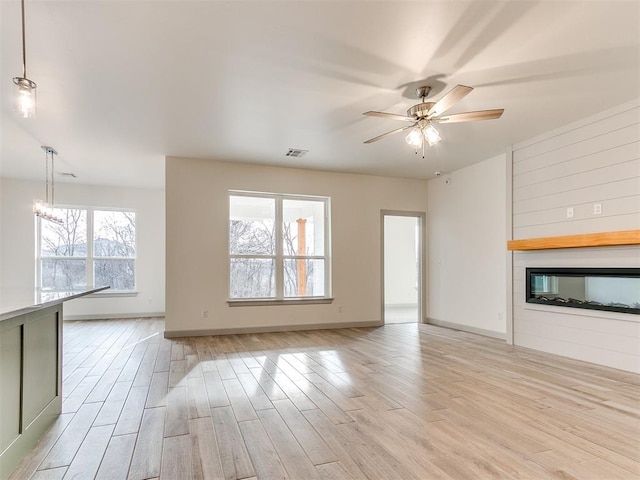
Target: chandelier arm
46 181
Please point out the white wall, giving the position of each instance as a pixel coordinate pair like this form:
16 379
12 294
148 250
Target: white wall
467 258
400 266
17 243
596 160
197 256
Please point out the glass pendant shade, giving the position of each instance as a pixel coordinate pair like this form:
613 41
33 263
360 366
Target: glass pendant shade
26 100
414 138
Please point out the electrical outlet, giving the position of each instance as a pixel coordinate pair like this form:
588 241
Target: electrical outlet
597 209
339 308
570 212
205 313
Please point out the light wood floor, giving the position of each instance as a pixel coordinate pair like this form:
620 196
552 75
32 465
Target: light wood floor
398 402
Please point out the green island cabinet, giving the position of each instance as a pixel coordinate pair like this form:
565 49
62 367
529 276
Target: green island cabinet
30 370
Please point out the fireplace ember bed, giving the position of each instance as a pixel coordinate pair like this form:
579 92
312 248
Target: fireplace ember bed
610 289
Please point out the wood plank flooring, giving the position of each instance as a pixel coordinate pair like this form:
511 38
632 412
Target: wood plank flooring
398 402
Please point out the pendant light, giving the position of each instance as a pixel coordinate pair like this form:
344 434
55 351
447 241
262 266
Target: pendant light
26 99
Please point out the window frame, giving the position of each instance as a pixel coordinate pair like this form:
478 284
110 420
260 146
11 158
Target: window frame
279 257
89 258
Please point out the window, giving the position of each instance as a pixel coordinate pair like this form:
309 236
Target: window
90 248
278 246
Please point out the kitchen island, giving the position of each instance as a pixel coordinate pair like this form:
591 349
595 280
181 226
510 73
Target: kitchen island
30 368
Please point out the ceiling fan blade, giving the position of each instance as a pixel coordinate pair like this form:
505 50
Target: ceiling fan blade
452 97
470 116
398 130
391 116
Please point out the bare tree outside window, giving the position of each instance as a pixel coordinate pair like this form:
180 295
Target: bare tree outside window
261 256
114 249
67 262
253 246
63 250
303 238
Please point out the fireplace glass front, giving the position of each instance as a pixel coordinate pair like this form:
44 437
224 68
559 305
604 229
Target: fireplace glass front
611 289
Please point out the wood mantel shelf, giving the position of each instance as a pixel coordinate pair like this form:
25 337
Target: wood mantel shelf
603 239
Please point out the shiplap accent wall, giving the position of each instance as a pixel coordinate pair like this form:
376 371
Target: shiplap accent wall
596 160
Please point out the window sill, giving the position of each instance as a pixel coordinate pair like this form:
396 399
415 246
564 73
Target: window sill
290 301
112 293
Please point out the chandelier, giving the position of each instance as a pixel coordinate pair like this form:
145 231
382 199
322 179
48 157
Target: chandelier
45 209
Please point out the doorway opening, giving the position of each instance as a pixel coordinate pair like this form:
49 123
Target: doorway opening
402 286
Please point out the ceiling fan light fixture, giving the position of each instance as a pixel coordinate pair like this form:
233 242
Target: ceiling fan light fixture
414 138
432 135
425 113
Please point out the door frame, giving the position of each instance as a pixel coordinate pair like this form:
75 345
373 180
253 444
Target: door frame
422 274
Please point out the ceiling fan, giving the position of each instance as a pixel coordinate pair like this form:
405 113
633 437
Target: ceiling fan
423 115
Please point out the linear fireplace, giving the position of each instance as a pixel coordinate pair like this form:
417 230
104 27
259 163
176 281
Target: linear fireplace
611 289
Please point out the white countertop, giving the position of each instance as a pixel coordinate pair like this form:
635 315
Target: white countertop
16 301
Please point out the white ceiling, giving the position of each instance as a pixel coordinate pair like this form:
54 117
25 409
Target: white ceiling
121 84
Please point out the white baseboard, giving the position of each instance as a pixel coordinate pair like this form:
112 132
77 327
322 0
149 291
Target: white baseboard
269 329
109 316
466 328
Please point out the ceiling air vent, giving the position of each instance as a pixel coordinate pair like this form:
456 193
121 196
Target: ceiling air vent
296 152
